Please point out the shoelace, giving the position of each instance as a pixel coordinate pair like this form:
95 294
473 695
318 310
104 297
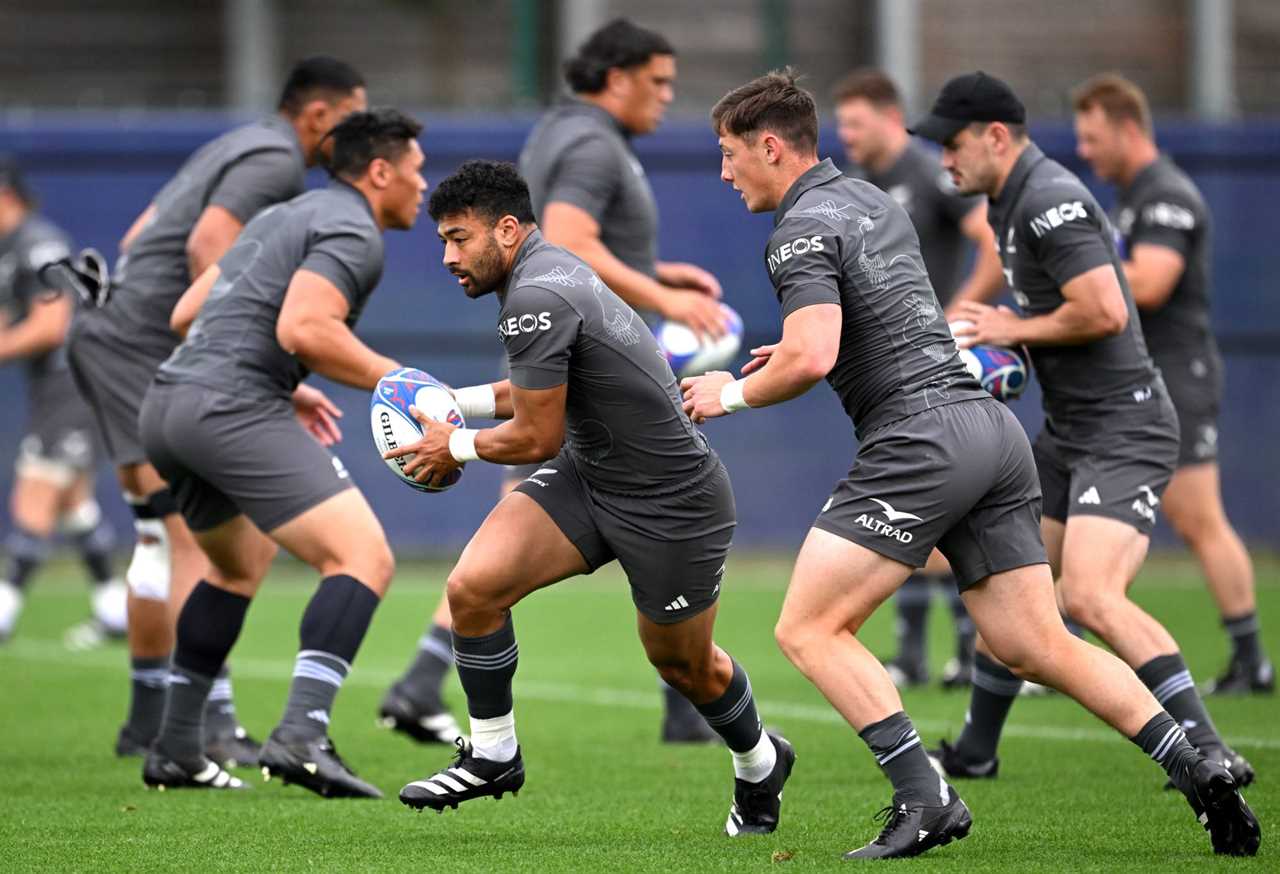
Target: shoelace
333 751
890 816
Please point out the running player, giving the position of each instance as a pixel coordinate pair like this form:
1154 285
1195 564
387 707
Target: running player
1110 440
869 121
54 473
940 463
1166 235
116 349
622 475
219 425
590 195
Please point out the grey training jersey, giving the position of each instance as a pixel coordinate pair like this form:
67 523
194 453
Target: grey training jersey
626 429
579 154
232 344
843 241
1163 207
243 171
921 187
23 252
1049 230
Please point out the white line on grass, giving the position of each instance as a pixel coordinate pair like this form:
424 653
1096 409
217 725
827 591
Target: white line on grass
265 669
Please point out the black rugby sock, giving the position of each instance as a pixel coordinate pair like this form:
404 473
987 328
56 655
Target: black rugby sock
486 666
1164 741
423 681
912 602
148 687
1245 646
220 709
733 715
995 688
332 628
899 753
26 552
1170 682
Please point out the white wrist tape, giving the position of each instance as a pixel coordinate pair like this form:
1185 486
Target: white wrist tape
462 445
731 396
476 400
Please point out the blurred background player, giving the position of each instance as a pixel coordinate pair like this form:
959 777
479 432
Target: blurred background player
590 195
116 349
953 230
54 475
1165 230
1109 444
230 426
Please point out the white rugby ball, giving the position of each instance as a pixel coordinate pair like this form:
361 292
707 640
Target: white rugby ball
691 354
393 425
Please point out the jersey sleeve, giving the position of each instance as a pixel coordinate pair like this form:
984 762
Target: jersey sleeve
257 181
1065 232
44 249
803 259
538 329
1168 219
586 176
348 254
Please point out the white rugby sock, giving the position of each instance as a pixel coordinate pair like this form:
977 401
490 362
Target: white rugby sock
756 763
494 739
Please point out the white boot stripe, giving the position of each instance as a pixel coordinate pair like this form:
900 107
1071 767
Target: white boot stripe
468 776
210 772
453 784
438 790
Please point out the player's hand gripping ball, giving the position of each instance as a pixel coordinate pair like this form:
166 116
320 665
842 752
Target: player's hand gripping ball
1000 370
394 426
692 354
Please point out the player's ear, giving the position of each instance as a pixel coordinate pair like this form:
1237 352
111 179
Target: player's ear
772 148
380 172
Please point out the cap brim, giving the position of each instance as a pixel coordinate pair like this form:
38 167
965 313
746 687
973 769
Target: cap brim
937 128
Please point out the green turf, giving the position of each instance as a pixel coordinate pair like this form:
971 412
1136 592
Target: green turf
601 792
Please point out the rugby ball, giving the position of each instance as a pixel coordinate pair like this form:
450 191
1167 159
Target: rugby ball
691 354
1000 370
393 425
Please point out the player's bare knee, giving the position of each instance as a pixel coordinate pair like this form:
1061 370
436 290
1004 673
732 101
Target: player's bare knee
470 602
795 640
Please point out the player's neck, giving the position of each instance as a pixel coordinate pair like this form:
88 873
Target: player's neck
1143 154
11 216
895 144
1006 169
608 103
792 170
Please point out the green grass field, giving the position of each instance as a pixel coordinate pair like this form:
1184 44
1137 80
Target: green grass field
602 794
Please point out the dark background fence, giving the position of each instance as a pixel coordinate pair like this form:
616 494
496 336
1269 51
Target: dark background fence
93 177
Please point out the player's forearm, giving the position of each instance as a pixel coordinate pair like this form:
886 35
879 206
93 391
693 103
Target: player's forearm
31 337
515 442
1071 324
641 292
789 374
136 228
331 350
1150 292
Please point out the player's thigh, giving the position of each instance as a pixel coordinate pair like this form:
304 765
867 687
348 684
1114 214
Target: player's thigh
1015 612
34 503
937 564
140 479
1193 501
340 535
239 554
835 585
518 549
1100 556
76 493
1052 532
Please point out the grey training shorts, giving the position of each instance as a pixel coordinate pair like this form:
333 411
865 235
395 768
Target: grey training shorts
959 477
672 546
223 456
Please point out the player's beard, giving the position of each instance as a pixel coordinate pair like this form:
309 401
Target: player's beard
486 273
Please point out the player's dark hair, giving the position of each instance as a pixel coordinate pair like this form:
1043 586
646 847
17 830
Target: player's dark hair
775 103
869 84
13 179
491 189
619 44
363 136
1017 131
1119 99
320 77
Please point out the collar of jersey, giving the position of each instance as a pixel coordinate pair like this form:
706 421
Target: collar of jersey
601 115
1018 176
280 124
824 171
336 184
531 243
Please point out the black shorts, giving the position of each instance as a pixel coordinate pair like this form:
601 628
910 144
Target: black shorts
959 477
672 546
1195 387
113 375
1118 470
223 456
60 441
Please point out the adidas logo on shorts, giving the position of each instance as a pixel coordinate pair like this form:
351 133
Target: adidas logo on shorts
678 604
1090 496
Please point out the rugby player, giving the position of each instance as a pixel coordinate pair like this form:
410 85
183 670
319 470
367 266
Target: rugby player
54 471
622 474
1110 438
1166 232
869 121
219 425
116 349
940 463
590 195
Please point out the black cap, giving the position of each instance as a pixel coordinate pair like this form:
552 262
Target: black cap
966 99
12 178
